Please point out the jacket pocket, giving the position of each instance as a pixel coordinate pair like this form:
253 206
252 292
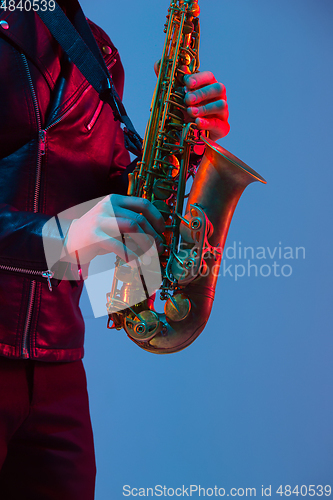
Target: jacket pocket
99 108
95 116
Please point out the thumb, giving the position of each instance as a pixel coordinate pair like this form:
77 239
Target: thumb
157 67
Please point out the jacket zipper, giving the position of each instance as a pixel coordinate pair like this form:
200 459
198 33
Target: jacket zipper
41 152
45 274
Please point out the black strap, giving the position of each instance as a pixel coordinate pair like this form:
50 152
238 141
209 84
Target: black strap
79 43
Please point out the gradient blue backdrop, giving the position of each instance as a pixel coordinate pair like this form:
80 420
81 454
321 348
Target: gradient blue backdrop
250 402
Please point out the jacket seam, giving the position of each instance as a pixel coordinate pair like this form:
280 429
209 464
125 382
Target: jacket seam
36 348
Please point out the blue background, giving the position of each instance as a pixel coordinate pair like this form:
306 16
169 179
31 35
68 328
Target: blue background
250 402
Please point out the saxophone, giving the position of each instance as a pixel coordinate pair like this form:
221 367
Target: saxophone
194 238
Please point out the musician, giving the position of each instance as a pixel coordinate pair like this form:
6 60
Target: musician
59 147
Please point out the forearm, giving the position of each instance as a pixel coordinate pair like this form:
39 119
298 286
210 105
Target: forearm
23 235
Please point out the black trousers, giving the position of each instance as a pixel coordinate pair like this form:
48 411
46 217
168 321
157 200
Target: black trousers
46 441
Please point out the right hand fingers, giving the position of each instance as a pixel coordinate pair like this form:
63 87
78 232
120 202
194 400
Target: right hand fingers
139 206
136 227
136 224
112 218
119 248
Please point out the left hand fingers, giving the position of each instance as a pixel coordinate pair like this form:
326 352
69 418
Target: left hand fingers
217 128
206 101
219 108
198 80
211 92
157 67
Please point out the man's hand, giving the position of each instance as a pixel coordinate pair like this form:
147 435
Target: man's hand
206 99
207 103
103 228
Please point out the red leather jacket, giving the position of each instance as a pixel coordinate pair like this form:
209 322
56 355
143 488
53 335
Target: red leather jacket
59 147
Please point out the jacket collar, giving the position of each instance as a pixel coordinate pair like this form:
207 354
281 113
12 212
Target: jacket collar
29 34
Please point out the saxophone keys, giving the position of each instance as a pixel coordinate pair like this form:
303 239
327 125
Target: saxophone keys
144 326
178 307
195 9
161 189
195 224
185 59
174 162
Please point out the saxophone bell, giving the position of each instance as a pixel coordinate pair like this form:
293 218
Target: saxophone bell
217 187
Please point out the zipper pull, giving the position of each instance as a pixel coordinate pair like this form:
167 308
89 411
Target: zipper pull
48 275
25 353
42 142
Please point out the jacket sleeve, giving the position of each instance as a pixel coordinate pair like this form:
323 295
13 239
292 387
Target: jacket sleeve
23 235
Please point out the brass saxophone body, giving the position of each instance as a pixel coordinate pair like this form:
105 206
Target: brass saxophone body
194 238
